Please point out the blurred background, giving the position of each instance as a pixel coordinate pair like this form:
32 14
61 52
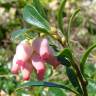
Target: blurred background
83 34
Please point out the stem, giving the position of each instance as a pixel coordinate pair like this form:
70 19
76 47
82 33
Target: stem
51 34
60 16
69 27
58 38
81 78
85 56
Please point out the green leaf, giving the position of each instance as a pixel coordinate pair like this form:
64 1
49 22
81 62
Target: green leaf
63 60
85 56
73 79
19 34
65 57
69 26
39 7
24 33
56 92
60 17
46 84
66 52
32 16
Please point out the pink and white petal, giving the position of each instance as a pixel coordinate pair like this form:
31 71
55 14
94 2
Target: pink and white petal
36 45
24 51
38 64
26 71
44 49
21 63
15 66
41 46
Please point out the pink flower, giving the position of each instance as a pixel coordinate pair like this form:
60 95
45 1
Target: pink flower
41 47
26 69
29 56
21 60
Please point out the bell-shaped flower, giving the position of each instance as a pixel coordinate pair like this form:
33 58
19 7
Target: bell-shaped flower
25 68
41 47
29 56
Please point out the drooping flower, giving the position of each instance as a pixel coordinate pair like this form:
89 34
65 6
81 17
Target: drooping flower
21 60
26 69
41 47
29 56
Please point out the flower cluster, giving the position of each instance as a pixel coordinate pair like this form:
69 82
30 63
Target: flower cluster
31 56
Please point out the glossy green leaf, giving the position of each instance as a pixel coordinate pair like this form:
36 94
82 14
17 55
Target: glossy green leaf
66 52
69 25
85 56
39 7
46 84
73 79
65 57
63 60
56 92
19 34
33 17
60 17
24 33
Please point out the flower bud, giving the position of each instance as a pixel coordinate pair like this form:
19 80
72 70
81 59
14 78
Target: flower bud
63 39
42 34
53 30
55 37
